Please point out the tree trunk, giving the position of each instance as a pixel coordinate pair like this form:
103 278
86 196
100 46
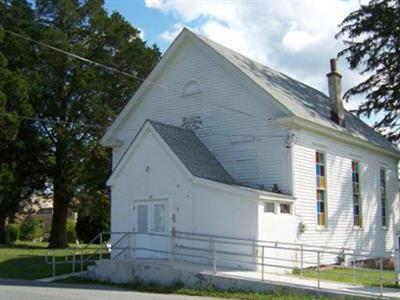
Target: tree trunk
62 198
3 235
58 232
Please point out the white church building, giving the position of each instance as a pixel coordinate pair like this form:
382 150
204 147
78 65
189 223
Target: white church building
215 144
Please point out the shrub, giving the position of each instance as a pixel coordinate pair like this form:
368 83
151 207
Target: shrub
31 229
93 217
13 232
71 232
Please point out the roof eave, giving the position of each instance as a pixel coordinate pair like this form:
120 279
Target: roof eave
146 127
107 140
259 194
298 122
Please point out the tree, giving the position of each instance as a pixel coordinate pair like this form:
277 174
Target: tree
18 168
93 200
372 39
93 216
78 95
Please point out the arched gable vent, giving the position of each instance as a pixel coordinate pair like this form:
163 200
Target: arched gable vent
191 88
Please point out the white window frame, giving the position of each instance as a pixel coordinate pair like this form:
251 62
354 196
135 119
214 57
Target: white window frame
387 219
360 200
150 203
325 153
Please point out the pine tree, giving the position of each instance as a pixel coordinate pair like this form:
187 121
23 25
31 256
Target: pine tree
372 39
19 174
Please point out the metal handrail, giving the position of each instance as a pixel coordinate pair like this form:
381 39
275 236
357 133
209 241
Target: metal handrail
302 248
100 235
123 250
74 254
216 255
278 242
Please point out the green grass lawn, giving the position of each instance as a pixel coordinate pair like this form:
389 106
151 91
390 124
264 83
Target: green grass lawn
209 292
369 277
26 260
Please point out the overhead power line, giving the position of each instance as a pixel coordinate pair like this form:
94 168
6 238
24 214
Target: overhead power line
53 121
134 76
73 55
84 59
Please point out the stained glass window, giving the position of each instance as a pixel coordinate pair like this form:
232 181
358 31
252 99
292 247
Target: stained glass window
321 188
383 196
355 168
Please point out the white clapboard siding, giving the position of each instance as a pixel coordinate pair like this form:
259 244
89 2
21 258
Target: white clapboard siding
237 127
340 231
224 127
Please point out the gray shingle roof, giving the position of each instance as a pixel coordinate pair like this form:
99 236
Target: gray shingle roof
197 158
301 100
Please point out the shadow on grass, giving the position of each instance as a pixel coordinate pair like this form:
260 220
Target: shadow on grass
30 267
40 246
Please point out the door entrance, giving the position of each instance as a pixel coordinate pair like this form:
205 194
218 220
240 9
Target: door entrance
150 221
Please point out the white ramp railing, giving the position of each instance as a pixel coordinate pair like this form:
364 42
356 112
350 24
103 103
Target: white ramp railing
232 253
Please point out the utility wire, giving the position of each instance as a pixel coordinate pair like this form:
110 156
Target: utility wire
211 132
111 69
101 65
135 76
48 120
72 55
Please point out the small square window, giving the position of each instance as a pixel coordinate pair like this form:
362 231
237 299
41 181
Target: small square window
284 208
269 207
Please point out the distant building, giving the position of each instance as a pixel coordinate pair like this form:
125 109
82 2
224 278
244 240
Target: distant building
41 209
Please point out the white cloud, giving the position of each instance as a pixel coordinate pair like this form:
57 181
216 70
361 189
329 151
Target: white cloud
295 37
295 40
189 11
171 34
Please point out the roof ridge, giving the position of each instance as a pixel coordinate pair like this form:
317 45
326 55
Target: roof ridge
171 126
302 100
257 62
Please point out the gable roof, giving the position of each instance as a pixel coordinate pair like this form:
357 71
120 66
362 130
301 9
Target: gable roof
300 99
191 151
194 156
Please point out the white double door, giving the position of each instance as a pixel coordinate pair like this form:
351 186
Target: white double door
150 221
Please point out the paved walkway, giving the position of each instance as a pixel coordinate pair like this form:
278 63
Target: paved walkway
27 290
325 286
282 281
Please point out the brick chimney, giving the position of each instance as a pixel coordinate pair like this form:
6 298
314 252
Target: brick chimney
335 94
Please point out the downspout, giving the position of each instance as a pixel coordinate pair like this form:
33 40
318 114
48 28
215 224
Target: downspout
290 142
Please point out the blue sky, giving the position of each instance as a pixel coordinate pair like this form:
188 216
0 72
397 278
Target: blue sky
292 36
151 21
